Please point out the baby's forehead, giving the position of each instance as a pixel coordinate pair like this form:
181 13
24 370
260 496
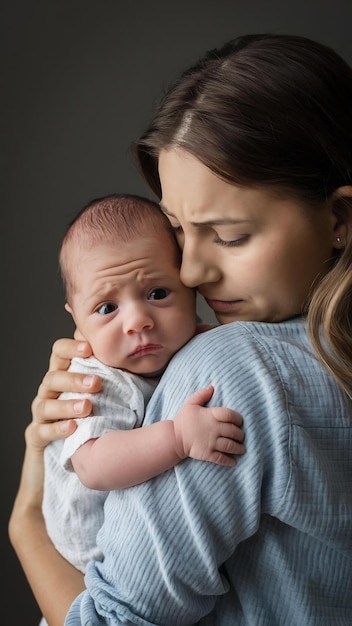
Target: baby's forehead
112 267
116 247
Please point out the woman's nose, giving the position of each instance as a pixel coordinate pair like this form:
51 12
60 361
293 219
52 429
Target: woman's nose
197 267
136 320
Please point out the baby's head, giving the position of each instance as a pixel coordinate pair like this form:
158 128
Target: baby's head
113 219
120 267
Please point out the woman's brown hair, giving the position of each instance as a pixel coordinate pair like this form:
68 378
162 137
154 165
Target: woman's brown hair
273 110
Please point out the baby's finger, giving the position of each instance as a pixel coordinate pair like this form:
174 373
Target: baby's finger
223 414
231 431
230 446
223 459
201 396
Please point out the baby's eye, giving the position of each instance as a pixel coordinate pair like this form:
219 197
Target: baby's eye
158 294
107 308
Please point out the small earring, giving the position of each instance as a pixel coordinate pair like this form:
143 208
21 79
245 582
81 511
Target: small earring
338 239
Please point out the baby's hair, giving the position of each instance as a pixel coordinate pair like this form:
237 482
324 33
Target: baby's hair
113 218
273 111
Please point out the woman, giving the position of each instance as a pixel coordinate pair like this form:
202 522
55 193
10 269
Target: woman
250 153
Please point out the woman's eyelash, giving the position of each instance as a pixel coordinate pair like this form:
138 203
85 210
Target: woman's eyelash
232 243
175 229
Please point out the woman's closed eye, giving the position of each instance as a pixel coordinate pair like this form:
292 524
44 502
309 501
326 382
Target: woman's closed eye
231 242
177 230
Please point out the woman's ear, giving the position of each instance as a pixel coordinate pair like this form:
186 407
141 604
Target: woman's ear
342 213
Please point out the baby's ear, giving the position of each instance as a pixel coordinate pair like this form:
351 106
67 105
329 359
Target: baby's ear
68 308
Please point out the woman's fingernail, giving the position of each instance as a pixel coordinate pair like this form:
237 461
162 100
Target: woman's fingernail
88 381
78 406
64 426
81 347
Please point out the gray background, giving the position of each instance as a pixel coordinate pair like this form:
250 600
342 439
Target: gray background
80 79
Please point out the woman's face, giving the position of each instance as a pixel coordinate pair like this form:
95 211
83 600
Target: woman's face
253 255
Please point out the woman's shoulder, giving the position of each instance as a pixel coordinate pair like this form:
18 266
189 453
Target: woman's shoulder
252 337
250 364
240 355
295 327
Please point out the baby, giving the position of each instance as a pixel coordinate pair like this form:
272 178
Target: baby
120 267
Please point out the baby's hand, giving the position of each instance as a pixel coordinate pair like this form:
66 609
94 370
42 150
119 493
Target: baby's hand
208 433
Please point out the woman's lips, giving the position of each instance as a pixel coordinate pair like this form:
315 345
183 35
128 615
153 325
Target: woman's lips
223 306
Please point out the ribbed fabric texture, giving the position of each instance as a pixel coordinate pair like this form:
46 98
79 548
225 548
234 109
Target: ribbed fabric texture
267 543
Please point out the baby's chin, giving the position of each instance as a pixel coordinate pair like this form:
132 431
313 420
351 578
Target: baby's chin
145 374
156 374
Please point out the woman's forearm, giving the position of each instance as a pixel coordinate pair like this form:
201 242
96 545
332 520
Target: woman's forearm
54 582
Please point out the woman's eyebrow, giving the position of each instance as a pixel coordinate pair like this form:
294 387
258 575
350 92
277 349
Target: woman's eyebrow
217 222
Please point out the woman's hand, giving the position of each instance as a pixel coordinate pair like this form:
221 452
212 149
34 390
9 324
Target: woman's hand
52 419
54 582
47 411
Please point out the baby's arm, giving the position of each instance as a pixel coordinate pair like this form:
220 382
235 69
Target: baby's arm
120 459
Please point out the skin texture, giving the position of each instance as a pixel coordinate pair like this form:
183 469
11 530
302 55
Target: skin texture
123 458
252 254
130 304
27 530
251 259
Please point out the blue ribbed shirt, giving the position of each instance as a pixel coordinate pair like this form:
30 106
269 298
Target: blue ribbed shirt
266 543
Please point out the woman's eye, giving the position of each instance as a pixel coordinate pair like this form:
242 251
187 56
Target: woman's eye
177 230
107 308
231 243
158 294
